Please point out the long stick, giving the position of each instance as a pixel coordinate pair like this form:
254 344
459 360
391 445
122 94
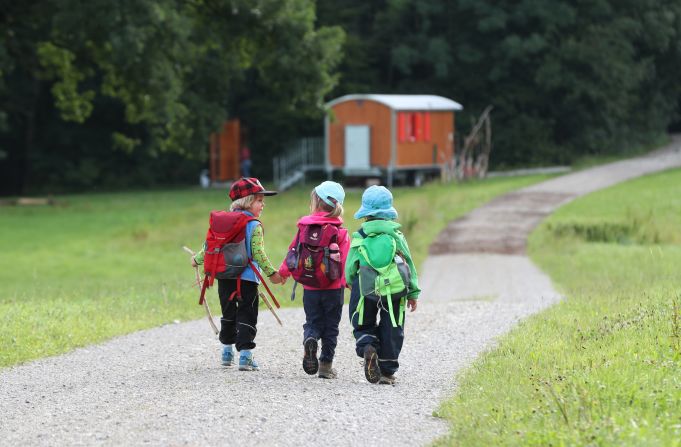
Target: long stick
205 302
208 314
269 306
262 281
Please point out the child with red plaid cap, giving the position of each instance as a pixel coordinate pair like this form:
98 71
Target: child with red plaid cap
240 317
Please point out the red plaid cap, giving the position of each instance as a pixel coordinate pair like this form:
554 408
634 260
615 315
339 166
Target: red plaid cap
246 186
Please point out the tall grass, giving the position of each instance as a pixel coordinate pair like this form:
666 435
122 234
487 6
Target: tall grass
101 265
603 367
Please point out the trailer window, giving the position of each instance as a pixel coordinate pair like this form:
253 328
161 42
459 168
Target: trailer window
413 127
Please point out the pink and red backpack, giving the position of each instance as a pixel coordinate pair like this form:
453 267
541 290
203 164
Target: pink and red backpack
315 259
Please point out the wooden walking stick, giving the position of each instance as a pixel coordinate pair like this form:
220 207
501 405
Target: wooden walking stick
202 300
269 306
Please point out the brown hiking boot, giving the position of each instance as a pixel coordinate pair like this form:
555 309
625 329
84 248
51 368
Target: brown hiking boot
326 371
371 369
387 379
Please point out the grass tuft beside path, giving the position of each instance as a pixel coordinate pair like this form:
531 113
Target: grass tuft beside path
101 265
603 367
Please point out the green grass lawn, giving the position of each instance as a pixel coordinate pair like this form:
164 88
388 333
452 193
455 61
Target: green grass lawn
96 266
603 367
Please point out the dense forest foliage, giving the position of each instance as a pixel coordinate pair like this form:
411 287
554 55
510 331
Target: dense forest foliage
125 93
103 94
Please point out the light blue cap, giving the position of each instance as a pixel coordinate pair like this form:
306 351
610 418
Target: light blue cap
377 201
330 190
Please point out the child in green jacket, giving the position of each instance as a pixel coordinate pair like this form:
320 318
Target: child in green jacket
379 246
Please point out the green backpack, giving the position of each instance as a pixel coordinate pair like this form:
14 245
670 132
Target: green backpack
385 274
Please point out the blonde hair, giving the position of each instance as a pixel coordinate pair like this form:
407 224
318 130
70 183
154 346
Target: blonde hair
243 203
317 204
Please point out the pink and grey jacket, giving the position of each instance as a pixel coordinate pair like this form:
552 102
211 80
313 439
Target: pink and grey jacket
320 218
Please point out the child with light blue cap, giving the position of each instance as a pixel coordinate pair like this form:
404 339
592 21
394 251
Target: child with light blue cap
384 283
316 260
331 193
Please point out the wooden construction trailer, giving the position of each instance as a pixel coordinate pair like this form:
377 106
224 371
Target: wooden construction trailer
394 137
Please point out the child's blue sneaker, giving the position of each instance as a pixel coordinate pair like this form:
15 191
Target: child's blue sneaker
227 355
247 362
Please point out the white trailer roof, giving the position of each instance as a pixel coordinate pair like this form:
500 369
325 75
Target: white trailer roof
403 102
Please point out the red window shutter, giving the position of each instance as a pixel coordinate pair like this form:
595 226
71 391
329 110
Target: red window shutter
426 126
419 127
402 127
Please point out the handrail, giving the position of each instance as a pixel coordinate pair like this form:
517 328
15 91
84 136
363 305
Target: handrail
301 156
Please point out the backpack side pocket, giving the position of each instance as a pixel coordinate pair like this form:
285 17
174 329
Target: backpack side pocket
236 260
367 282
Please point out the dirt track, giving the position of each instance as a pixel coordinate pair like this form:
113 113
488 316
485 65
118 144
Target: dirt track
164 386
503 225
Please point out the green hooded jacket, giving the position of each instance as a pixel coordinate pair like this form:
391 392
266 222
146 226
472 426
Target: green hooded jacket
393 229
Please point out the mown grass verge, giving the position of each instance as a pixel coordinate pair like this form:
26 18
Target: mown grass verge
96 266
603 367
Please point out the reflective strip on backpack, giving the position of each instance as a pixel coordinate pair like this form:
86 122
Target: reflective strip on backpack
359 310
403 301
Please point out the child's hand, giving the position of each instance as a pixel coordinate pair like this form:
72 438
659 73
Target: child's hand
281 275
411 304
194 264
276 278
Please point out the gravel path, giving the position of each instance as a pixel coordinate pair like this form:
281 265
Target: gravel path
164 386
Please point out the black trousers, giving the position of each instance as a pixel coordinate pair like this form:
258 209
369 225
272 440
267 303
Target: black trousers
239 318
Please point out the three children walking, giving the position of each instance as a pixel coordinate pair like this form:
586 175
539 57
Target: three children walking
375 263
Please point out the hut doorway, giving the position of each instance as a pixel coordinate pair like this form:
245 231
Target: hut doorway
357 147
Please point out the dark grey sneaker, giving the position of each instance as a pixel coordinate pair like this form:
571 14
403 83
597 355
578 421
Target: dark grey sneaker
326 370
371 369
387 379
310 361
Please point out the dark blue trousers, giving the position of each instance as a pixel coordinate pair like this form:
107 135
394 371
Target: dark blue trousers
381 334
323 311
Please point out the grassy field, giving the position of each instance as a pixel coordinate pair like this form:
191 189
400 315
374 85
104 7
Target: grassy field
96 266
603 367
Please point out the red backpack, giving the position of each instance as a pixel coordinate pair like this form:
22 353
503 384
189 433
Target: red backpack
314 260
226 255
